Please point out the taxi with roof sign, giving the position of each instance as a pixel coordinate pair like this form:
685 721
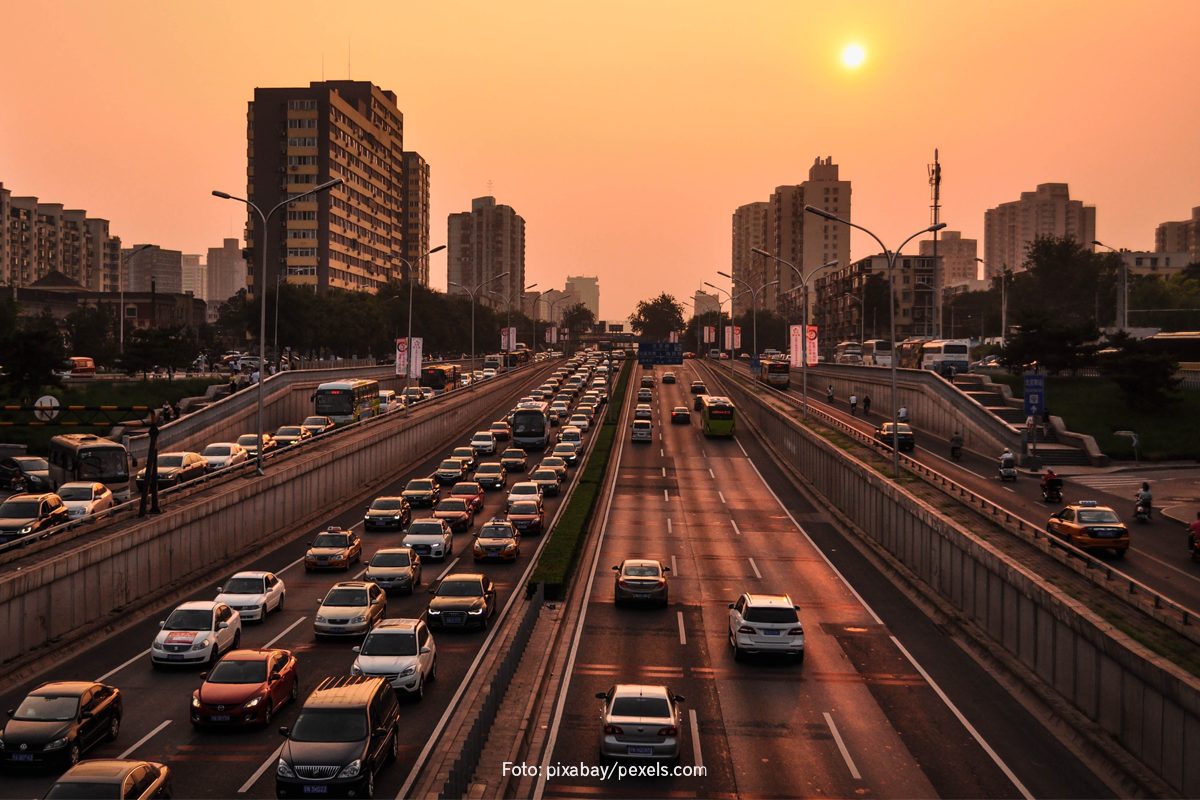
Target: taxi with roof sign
1088 524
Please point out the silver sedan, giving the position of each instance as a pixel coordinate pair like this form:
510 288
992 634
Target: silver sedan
642 411
640 722
643 580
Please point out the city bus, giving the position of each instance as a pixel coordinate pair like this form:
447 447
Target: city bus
946 356
718 416
908 353
531 426
848 353
346 402
86 457
877 353
778 373
441 378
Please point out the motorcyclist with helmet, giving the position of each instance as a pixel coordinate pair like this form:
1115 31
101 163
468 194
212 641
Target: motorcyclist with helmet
1145 499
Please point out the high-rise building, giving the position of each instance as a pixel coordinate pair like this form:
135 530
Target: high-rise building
39 238
483 243
957 257
227 273
351 236
195 276
415 234
153 269
1180 237
588 292
705 303
839 296
1011 227
752 227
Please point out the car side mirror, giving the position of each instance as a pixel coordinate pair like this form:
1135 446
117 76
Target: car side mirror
11 711
162 623
203 675
222 626
796 607
320 603
616 569
356 649
666 569
86 715
601 695
433 590
380 732
309 544
426 649
731 606
680 698
284 731
275 678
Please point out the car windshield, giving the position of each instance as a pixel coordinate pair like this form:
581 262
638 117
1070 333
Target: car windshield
496 532
1098 515
453 505
465 489
331 540
170 461
524 488
460 588
32 464
288 432
389 504
249 440
545 475
244 586
102 463
316 422
329 725
553 461
514 454
482 438
641 707
390 560
79 790
770 614
642 425
227 671
346 597
463 452
189 619
642 570
564 448
389 644
488 469
525 508
680 410
499 426
53 708
426 528
419 486
75 493
217 450
451 465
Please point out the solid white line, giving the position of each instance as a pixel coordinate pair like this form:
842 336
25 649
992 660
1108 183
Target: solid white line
970 728
674 569
283 633
114 671
735 527
695 737
722 496
739 444
757 574
144 739
666 497
1007 489
682 634
710 472
271 759
837 737
449 567
359 575
668 524
289 566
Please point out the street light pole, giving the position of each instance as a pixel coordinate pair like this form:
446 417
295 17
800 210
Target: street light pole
891 312
472 293
1003 302
1122 289
408 341
861 316
121 282
262 316
753 310
508 311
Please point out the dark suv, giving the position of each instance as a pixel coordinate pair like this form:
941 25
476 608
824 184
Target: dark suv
29 514
346 732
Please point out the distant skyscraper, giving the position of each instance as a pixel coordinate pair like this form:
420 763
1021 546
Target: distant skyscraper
483 243
957 257
195 276
1180 237
415 231
226 273
705 303
153 269
752 227
1011 227
588 292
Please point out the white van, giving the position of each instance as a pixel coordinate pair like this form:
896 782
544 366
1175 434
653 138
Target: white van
389 401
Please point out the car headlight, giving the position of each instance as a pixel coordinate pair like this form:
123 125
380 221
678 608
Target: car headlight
408 672
283 770
195 701
351 770
202 644
356 671
510 546
366 519
27 529
321 619
158 646
476 611
396 517
57 744
433 612
361 618
253 703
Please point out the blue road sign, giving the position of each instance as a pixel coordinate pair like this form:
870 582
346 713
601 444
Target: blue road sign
755 364
1035 395
660 353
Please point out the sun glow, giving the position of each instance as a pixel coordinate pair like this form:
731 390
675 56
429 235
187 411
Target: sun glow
853 56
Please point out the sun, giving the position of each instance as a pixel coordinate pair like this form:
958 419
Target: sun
853 56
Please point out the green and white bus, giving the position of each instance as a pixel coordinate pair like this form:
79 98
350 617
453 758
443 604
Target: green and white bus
718 416
346 402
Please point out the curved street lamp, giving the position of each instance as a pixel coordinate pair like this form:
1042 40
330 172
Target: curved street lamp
124 262
754 293
472 293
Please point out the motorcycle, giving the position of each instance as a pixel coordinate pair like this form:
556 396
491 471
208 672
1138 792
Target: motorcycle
1008 469
1141 512
956 452
18 484
1052 490
1193 546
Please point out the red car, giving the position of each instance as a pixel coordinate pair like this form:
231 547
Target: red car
458 512
501 430
469 490
527 516
246 687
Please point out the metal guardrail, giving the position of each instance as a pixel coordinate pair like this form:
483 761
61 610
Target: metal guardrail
1127 589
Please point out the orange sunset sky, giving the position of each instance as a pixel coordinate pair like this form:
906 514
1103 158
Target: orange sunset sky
625 133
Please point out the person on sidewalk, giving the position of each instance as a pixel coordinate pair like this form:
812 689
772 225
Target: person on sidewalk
866 405
829 394
1193 532
853 405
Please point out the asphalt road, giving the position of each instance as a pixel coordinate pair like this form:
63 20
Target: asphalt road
242 763
882 703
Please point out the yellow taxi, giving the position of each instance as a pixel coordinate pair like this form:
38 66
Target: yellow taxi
333 549
1087 524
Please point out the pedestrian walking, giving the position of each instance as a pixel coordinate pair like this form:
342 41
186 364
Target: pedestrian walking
902 414
271 369
866 405
254 376
853 405
829 394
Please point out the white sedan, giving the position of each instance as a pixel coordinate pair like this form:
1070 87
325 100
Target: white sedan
224 454
642 411
253 594
199 632
430 537
483 443
83 498
579 421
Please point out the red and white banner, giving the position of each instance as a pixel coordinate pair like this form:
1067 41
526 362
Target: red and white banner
797 339
552 335
728 338
674 337
415 352
503 339
401 357
737 337
812 345
508 339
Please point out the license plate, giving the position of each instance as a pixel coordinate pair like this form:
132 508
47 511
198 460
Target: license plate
493 555
385 584
641 596
641 751
454 621
317 789
220 718
770 633
175 657
22 757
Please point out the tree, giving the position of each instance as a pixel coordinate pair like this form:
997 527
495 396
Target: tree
657 319
875 306
1145 376
1053 343
90 332
175 346
33 349
709 319
578 317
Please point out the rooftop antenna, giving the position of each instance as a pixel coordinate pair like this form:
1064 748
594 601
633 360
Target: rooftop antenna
347 58
935 183
489 187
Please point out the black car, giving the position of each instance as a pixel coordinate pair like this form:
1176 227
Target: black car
289 435
491 475
907 440
462 601
318 425
347 730
514 459
699 404
176 468
57 722
422 492
698 387
450 472
250 442
28 514
681 416
387 513
25 474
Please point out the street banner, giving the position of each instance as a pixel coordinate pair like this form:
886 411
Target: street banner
548 329
401 357
797 339
415 347
710 334
512 338
674 336
728 338
737 337
504 339
812 345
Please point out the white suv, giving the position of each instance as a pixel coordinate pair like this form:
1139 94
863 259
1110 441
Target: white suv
483 443
642 431
402 652
766 623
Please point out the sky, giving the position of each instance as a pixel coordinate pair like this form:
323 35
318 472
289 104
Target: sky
625 133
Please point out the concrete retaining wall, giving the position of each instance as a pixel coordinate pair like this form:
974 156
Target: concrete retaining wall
1148 705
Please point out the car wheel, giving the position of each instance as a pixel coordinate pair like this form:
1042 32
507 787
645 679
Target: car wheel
486 622
395 754
1120 553
738 655
282 598
114 727
433 670
262 614
237 641
295 688
73 754
268 713
799 658
419 694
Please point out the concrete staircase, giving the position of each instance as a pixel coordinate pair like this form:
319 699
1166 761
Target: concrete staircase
1051 450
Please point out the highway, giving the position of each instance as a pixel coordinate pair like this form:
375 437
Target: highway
241 763
884 704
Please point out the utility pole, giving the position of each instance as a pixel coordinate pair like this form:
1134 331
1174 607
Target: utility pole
935 181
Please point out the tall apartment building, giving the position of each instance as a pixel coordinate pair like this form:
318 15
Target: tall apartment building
587 290
39 238
227 273
705 303
839 293
957 256
752 227
483 243
195 276
351 236
415 236
1180 237
163 268
1011 227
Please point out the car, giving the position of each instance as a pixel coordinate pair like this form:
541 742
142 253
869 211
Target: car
556 463
525 490
567 451
698 387
246 687
765 623
527 516
907 440
501 431
681 416
640 722
561 407
466 454
113 777
698 405
548 479
470 491
176 468
587 410
387 513
644 396
253 594
491 475
427 393
25 474
514 460
289 435
498 540
389 401
24 515
555 416
249 443
221 455
413 395
640 579
334 548
462 600
422 492
56 723
483 443
642 411
458 512
1087 524
84 498
318 425
450 472
579 421
488 373
401 652
196 633
668 377
430 537
641 431
350 609
394 568
346 731
571 434
647 381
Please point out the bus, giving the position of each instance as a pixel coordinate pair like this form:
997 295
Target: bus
441 378
531 426
86 457
778 373
719 418
935 355
346 402
848 353
877 353
908 353
1184 346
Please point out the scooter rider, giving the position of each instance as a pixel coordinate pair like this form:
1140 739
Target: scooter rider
1145 499
1046 478
956 444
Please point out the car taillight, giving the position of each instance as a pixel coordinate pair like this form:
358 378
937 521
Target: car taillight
659 584
670 730
796 632
624 584
745 629
614 730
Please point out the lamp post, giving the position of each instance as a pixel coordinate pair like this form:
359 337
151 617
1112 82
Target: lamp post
550 317
732 297
1122 289
408 347
804 301
891 257
262 317
508 311
754 293
279 279
1003 301
121 282
472 293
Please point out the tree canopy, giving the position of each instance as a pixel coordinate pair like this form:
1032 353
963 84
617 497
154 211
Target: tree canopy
658 318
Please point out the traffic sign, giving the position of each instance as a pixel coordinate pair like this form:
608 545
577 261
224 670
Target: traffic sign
1035 395
755 364
47 407
667 353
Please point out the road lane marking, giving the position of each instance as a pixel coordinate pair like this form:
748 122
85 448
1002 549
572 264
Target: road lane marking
662 452
446 571
115 670
666 497
664 469
674 569
710 472
668 524
283 633
735 527
739 444
722 496
837 737
1007 489
258 772
695 737
682 634
703 453
289 566
359 575
144 739
757 574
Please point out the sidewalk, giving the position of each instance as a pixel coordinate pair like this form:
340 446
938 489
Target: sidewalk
1144 466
